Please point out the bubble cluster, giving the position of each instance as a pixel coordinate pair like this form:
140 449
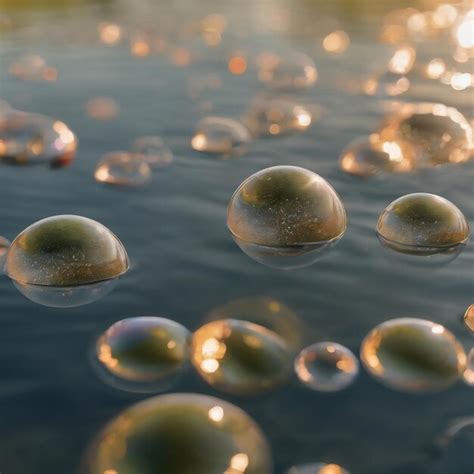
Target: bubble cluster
220 136
65 261
180 434
317 468
413 355
29 139
285 216
423 225
143 354
469 318
239 357
123 169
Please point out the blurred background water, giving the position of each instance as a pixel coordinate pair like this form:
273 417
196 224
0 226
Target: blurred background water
184 262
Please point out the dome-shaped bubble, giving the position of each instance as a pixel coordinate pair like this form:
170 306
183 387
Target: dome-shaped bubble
423 224
239 357
295 71
276 116
369 156
317 468
65 261
439 133
142 354
267 312
180 434
326 367
285 216
4 246
469 318
28 139
220 136
123 169
413 355
153 150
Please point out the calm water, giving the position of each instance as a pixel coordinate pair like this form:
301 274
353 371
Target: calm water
184 260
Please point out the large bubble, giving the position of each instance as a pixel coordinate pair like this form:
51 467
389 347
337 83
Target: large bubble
239 357
439 133
285 216
180 434
142 354
413 355
425 225
29 139
317 468
326 367
65 261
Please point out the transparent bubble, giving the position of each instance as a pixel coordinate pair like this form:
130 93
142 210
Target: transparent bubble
180 434
142 354
440 134
286 217
102 108
28 139
276 116
123 169
153 151
469 318
239 357
65 261
4 245
317 468
220 136
369 156
293 72
413 355
266 312
468 375
326 367
423 225
32 68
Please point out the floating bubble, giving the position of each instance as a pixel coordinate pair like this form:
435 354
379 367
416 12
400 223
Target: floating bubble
469 318
123 169
286 217
413 355
153 150
423 225
369 156
336 42
65 261
220 136
468 375
4 245
266 312
293 72
28 139
142 354
326 367
239 357
276 116
33 68
317 468
180 434
102 108
110 33
440 134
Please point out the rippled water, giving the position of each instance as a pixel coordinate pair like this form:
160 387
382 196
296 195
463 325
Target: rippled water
185 262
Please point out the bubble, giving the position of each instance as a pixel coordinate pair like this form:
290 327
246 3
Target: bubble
423 225
142 354
28 139
102 108
369 156
65 261
469 318
4 245
402 60
239 357
326 367
153 150
440 134
413 355
110 33
264 311
220 136
180 434
293 72
276 116
317 468
285 217
32 68
468 375
336 42
123 169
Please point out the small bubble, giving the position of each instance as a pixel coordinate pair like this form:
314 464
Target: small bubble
123 169
153 150
336 42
